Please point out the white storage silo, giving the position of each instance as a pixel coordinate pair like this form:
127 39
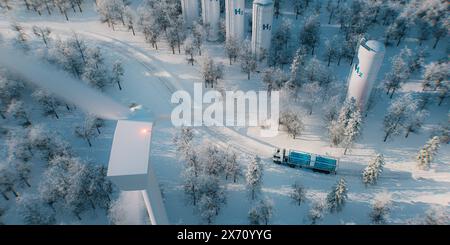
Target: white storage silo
234 19
262 26
211 18
365 71
191 11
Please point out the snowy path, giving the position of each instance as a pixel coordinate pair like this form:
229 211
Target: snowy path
171 84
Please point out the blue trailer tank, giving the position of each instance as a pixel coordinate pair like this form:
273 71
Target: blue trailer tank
300 159
325 164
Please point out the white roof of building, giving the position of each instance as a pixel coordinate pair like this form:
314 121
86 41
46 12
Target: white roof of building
130 149
375 45
263 2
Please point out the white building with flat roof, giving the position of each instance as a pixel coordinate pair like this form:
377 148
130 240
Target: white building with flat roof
130 168
234 19
211 18
262 26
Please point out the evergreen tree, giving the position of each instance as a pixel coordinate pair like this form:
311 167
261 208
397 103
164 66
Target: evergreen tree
254 177
337 197
373 170
427 152
297 66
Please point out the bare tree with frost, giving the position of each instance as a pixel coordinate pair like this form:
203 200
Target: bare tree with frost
310 33
274 78
310 96
17 110
33 211
332 51
211 71
7 180
232 168
63 6
21 38
184 141
261 212
43 33
190 49
398 75
247 59
199 34
436 77
232 48
399 113
86 131
117 73
129 19
381 207
211 197
293 123
147 22
436 215
298 193
317 211
253 177
49 103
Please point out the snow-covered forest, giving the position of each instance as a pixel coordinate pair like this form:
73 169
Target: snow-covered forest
394 154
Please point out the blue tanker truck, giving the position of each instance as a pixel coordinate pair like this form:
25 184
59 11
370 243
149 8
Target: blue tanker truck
302 159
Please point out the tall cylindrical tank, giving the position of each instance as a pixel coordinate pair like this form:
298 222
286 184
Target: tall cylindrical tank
234 19
191 11
262 26
365 71
211 18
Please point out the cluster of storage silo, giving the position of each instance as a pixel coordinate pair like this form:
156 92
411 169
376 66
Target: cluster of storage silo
262 19
362 75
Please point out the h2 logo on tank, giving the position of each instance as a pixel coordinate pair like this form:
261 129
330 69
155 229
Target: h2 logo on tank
238 12
266 27
358 72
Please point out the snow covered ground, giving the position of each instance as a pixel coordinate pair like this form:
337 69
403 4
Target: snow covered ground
151 76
